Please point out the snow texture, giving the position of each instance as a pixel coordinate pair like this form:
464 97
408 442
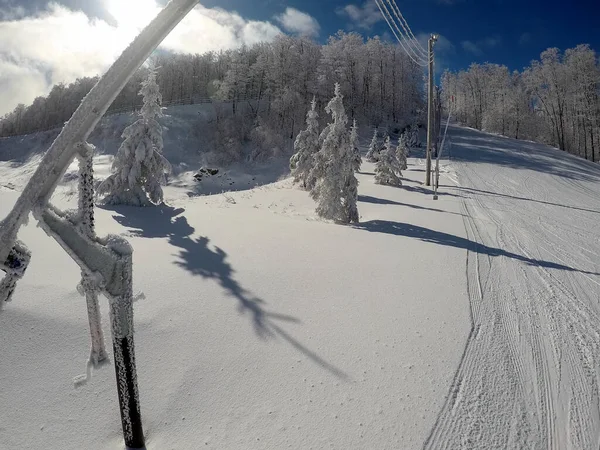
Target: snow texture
139 167
306 146
233 366
387 169
336 188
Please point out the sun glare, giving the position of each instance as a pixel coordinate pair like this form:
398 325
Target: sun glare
132 15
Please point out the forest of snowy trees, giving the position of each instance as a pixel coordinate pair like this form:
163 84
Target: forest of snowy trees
555 100
261 93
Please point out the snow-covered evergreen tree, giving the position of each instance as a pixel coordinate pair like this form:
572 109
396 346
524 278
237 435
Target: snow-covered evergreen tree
387 170
336 189
413 136
373 153
306 146
402 151
354 145
139 166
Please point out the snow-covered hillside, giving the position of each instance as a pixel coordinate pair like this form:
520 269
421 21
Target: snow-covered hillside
189 140
467 322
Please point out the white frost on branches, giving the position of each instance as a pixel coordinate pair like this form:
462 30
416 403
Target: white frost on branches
139 167
373 153
402 151
354 145
336 189
306 146
387 170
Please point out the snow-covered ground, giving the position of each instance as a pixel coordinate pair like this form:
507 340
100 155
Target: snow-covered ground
529 377
467 322
262 326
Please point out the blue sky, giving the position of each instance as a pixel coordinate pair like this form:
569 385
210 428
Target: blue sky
507 32
43 43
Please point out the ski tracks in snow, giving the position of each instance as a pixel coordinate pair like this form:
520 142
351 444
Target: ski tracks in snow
529 377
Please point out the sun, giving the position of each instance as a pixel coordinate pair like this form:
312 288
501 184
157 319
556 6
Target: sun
132 15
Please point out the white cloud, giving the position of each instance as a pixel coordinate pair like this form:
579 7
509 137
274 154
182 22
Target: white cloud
364 16
525 38
60 45
471 47
298 22
478 48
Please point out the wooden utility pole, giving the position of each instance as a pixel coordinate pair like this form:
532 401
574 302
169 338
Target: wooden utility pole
432 39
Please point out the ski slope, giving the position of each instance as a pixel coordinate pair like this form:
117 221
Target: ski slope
530 370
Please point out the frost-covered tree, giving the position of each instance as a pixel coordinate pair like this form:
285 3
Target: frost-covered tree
354 145
402 151
373 153
306 146
336 189
412 138
139 166
387 170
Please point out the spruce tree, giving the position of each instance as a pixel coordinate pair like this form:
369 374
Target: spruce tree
387 170
373 153
139 166
354 144
306 146
402 151
336 188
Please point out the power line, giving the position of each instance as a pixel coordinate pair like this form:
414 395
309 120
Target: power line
403 40
387 16
407 29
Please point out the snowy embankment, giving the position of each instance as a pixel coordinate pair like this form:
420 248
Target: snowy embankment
262 327
189 143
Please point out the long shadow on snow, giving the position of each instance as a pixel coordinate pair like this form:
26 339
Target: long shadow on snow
385 201
479 191
198 258
438 237
474 146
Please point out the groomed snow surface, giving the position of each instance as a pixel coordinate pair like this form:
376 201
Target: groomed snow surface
467 322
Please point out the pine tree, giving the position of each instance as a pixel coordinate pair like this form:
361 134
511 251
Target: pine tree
373 153
139 166
388 170
336 189
354 145
306 146
402 151
413 137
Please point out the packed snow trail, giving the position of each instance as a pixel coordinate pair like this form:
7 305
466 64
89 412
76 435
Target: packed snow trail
529 375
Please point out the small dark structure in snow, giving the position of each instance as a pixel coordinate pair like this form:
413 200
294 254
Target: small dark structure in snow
204 171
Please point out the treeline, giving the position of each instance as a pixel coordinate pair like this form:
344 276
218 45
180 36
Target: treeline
268 87
555 100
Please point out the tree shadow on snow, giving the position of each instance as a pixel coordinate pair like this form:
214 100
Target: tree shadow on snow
385 201
197 257
469 145
497 194
438 237
428 191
